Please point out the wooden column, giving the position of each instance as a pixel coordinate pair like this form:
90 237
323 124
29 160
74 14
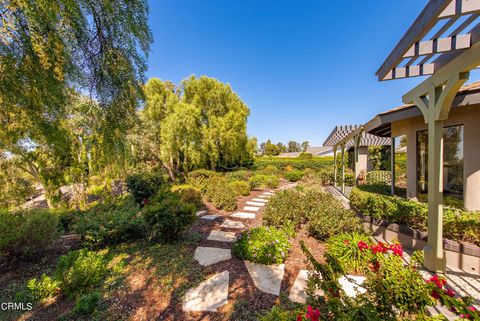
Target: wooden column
334 166
343 168
392 165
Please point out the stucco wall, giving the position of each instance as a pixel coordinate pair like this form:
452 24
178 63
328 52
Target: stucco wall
469 117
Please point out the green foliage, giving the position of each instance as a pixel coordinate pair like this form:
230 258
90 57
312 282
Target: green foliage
111 222
281 163
265 245
279 313
239 175
294 176
304 155
199 178
27 233
288 208
189 194
222 194
167 217
344 248
143 186
241 187
42 289
81 271
379 157
379 177
263 181
87 303
15 185
458 224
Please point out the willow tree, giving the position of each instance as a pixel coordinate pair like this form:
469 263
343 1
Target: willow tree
49 49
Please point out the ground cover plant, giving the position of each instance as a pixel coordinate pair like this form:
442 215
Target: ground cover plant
264 245
459 225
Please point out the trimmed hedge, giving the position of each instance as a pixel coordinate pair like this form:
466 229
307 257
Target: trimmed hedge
281 163
382 177
264 181
458 225
294 175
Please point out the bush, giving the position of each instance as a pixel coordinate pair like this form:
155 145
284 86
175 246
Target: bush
294 176
189 194
144 186
167 217
80 271
87 303
199 178
458 224
288 209
222 195
240 187
239 175
379 177
281 163
28 233
264 181
344 248
264 245
42 289
111 222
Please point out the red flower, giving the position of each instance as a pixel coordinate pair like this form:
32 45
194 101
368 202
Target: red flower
375 266
397 249
450 292
313 315
435 294
362 245
299 317
472 308
439 282
379 248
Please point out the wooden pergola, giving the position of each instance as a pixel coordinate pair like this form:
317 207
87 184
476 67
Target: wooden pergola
348 136
444 44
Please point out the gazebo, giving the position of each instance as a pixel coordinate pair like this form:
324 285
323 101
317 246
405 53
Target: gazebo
352 136
443 43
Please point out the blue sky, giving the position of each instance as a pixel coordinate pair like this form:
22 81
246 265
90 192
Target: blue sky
302 67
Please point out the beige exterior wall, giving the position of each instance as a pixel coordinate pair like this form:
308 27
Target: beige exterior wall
469 117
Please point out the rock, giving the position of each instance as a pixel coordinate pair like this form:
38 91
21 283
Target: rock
210 255
232 224
208 295
221 236
243 215
267 278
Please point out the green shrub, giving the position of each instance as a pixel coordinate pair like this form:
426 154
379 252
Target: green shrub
264 181
379 177
459 225
286 208
240 187
189 194
42 289
269 170
111 222
28 233
222 195
344 248
279 313
294 176
264 245
349 179
304 155
281 163
81 271
143 186
239 175
167 217
199 178
87 303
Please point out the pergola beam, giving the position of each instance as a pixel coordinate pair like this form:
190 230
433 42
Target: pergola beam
460 7
439 45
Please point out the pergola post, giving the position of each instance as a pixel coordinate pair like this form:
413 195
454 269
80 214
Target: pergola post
343 168
356 145
392 165
334 166
435 106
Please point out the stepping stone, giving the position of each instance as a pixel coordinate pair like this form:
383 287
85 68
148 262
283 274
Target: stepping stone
221 236
350 288
208 295
210 217
243 215
267 278
264 196
260 200
298 291
232 224
200 213
268 193
210 255
255 203
251 208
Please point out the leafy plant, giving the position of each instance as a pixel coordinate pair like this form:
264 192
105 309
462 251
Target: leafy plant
344 248
167 217
43 288
221 193
263 181
143 186
80 271
265 245
87 303
294 176
241 187
189 194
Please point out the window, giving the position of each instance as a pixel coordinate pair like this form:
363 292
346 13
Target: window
452 161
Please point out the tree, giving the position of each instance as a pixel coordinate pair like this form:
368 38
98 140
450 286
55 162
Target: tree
305 146
281 148
271 149
293 147
49 50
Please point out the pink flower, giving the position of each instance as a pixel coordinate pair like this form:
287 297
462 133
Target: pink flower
472 308
450 292
313 315
362 245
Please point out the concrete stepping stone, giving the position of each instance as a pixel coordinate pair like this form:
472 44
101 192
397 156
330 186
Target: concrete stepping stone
210 217
202 212
268 193
232 224
210 255
255 203
264 196
243 215
251 208
350 288
298 291
260 200
267 278
221 236
208 295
